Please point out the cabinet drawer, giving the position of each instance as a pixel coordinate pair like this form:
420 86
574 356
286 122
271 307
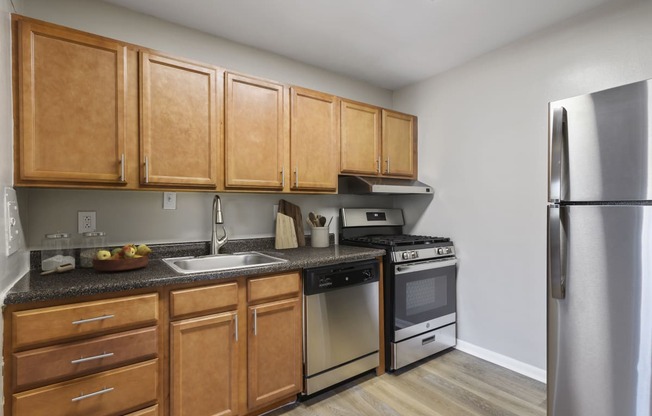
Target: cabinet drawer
68 321
150 411
47 364
271 287
105 393
204 299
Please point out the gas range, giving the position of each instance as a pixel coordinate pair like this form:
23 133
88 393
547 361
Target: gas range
382 228
419 283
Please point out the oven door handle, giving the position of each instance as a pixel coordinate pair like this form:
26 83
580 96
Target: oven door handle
425 265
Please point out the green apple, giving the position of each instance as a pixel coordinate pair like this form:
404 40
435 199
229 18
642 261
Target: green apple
103 255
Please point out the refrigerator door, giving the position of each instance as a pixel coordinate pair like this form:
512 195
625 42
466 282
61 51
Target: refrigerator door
600 146
600 326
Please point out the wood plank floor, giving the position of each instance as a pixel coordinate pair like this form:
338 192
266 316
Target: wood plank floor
451 384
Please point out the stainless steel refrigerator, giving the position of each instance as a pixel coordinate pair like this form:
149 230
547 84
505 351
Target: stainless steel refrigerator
600 253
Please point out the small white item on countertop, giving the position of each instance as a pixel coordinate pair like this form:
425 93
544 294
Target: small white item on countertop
56 261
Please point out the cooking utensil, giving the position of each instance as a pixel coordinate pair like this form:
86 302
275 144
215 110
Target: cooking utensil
329 222
59 269
322 221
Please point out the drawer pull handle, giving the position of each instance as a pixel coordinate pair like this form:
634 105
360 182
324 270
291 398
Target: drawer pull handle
428 340
97 318
95 357
89 395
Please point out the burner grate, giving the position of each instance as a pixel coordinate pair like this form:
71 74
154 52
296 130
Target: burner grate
398 240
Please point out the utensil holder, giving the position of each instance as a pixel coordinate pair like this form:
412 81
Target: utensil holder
319 237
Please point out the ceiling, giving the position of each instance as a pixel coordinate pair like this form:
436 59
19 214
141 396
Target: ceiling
388 43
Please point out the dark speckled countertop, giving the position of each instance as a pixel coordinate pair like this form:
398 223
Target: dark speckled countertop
82 282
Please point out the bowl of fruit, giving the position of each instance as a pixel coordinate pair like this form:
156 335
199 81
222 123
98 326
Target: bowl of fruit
127 257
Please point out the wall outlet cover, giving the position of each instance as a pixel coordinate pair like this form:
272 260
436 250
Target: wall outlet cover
86 221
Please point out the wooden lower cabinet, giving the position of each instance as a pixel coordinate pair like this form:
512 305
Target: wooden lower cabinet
204 366
108 393
274 351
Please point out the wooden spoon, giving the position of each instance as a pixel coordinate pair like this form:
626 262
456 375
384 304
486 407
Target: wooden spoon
322 221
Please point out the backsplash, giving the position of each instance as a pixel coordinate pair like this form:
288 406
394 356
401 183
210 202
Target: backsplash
138 216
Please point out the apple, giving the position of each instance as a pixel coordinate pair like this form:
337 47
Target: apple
129 251
116 251
103 255
143 250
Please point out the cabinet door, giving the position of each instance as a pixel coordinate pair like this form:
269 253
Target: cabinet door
179 118
203 369
359 139
72 106
274 351
314 138
255 133
399 144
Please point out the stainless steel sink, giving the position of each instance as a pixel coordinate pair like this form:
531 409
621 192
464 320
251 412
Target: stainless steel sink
221 262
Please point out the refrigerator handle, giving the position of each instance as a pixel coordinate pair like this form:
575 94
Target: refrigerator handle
557 142
555 272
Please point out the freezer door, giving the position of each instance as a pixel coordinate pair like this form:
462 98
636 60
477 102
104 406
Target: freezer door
600 330
600 146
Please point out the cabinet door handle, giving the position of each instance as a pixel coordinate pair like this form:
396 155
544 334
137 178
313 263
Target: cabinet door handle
387 164
95 357
89 395
255 322
122 167
146 169
283 177
378 164
296 176
97 318
235 317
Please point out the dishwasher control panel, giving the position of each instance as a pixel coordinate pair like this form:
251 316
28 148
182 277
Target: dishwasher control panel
320 279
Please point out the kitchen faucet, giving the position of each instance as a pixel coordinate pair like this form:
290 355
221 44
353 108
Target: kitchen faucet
217 243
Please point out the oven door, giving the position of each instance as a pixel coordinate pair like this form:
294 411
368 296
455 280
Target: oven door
424 296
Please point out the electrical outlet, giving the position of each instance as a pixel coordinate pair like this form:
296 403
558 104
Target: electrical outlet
85 221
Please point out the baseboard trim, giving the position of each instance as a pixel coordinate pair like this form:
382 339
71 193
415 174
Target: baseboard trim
502 360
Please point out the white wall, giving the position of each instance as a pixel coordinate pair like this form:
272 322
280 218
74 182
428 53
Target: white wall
483 145
15 265
132 216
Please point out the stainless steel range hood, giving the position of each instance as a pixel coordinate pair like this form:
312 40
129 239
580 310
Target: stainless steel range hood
364 185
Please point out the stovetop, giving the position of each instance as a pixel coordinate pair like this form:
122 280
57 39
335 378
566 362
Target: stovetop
397 240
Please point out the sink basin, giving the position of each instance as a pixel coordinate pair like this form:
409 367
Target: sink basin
221 262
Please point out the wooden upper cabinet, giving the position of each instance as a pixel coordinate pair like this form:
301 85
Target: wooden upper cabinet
399 144
180 122
314 138
71 106
255 133
359 139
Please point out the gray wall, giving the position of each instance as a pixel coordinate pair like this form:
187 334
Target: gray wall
132 216
483 141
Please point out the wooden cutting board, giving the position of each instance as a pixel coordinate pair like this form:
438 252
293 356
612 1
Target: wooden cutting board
286 237
294 212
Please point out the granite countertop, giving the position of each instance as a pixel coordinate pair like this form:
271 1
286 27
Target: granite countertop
82 282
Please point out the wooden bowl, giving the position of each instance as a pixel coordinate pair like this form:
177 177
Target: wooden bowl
120 265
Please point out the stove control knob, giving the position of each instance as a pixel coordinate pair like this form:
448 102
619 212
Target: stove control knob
405 255
447 250
415 254
440 251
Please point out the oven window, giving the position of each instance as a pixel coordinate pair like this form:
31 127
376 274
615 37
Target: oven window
423 295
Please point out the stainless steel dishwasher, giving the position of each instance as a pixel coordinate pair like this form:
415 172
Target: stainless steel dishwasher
340 323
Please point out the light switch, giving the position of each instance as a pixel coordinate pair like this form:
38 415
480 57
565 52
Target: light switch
169 200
